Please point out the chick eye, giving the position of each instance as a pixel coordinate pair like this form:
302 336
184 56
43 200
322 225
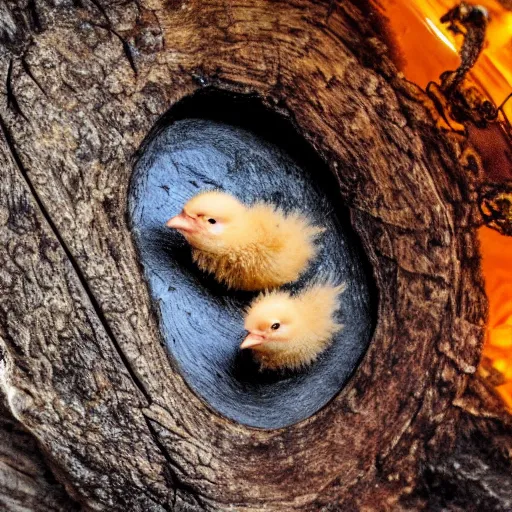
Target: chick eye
212 221
275 326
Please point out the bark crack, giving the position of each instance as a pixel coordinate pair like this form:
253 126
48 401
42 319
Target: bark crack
83 281
28 71
34 16
176 481
12 102
125 44
127 50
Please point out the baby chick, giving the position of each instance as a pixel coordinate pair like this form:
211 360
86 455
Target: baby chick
288 331
246 247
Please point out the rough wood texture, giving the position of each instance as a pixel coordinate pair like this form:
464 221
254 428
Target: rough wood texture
26 483
83 368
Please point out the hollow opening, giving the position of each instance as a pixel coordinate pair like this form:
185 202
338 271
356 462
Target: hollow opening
233 142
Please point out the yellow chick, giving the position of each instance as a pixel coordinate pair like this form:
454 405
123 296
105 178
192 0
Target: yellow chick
246 247
288 331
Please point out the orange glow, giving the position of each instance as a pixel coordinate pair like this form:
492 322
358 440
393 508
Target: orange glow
427 49
497 267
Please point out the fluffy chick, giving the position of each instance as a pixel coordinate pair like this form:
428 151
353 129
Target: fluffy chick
246 247
288 331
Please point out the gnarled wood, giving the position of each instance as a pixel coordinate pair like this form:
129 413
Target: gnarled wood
84 370
26 483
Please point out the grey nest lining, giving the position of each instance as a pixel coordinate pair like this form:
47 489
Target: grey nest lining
202 321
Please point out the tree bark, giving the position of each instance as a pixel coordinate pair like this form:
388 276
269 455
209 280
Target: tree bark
26 482
82 369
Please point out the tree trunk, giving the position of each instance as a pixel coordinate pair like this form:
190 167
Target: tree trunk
83 370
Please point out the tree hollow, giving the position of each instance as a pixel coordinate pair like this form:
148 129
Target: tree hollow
202 321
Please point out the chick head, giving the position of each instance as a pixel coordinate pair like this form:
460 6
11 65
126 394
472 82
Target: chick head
209 220
272 322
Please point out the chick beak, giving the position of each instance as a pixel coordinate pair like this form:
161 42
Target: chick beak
252 340
181 222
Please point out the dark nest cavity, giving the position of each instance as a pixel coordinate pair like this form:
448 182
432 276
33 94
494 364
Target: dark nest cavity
240 147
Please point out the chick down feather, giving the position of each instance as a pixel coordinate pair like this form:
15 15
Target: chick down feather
291 331
252 247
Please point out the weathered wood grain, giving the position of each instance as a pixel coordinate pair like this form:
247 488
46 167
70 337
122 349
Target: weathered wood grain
26 482
84 368
60 372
